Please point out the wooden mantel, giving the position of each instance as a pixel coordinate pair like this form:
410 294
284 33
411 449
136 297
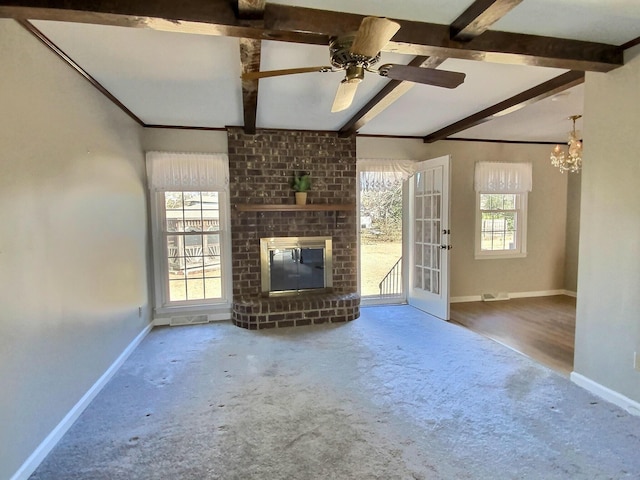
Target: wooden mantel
320 207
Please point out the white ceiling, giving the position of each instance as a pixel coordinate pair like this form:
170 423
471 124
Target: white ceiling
426 109
179 79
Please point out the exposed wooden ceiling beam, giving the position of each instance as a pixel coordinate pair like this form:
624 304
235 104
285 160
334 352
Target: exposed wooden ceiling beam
428 39
473 22
535 94
630 43
250 9
251 12
480 15
303 25
250 57
203 17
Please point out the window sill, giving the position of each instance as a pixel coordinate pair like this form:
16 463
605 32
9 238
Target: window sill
499 256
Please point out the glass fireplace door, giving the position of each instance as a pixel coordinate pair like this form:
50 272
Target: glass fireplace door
295 264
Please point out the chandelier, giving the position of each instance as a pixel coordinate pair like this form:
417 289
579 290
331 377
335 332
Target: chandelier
570 161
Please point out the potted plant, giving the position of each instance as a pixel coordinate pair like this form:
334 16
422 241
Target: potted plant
301 183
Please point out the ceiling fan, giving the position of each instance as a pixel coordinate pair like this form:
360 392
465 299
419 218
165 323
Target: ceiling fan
358 52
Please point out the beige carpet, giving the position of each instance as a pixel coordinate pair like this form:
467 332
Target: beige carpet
394 395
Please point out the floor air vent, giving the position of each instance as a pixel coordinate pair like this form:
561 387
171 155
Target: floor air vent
493 297
189 320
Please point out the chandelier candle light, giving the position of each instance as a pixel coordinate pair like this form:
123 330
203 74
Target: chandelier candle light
570 161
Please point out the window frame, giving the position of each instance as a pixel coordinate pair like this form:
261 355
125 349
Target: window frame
521 228
218 308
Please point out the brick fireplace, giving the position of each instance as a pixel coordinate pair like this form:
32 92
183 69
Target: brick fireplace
260 168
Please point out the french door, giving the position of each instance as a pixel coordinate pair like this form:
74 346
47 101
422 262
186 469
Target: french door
429 236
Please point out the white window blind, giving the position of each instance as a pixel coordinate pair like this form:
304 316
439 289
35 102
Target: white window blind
502 177
379 174
169 171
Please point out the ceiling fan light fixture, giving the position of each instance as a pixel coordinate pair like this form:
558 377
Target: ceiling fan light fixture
342 57
570 161
354 73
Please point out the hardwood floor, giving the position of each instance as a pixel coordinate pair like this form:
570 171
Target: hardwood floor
542 328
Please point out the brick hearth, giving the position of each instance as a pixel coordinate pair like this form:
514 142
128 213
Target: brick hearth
260 168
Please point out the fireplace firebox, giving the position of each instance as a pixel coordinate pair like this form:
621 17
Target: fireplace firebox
295 265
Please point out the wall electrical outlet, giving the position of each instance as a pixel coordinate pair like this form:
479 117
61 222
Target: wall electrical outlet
140 312
636 361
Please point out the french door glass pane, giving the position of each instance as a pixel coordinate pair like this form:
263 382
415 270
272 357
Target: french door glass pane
435 286
419 179
427 231
428 188
418 277
428 181
437 176
427 256
427 206
418 253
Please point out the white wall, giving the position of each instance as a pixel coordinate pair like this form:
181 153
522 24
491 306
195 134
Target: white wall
543 268
608 309
73 240
573 232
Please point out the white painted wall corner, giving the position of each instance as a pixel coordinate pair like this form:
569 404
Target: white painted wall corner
39 454
631 406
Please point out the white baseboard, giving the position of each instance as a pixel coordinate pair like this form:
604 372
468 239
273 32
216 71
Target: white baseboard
39 454
213 317
468 298
541 293
607 394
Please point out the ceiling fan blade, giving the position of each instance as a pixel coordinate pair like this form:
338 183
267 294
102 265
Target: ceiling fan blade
288 71
344 95
374 33
429 76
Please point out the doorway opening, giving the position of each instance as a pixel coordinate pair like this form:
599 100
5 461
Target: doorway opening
381 208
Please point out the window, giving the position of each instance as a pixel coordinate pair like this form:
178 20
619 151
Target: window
190 231
192 239
501 225
501 209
